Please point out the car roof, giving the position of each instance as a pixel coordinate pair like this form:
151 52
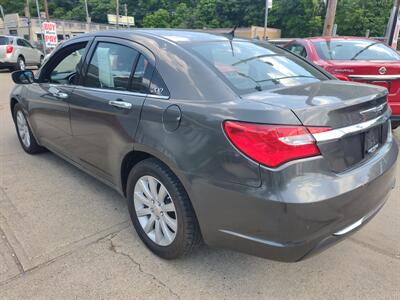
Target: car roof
338 38
172 35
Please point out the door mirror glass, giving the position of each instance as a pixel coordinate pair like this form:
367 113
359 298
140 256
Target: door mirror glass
23 77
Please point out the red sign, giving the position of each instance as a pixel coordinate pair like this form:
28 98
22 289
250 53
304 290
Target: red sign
50 34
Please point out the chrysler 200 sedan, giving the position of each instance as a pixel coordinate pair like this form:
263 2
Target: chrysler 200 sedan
210 138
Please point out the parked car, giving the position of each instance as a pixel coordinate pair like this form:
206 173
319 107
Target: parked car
356 59
16 53
239 143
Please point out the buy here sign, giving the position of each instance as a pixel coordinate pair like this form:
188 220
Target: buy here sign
49 30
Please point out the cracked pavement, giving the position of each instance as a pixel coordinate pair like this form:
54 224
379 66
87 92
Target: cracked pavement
64 235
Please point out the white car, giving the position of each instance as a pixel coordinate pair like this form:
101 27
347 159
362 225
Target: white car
17 53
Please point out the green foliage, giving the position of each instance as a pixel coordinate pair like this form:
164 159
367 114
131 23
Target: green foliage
296 18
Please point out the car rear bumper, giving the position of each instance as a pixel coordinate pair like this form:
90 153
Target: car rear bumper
297 211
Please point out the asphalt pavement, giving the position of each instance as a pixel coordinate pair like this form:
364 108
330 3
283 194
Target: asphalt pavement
65 235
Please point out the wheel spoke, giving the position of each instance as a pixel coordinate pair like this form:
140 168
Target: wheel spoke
171 222
159 234
153 187
145 188
162 193
149 225
167 233
141 198
144 211
169 207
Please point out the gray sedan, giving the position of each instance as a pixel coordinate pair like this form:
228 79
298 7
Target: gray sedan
210 138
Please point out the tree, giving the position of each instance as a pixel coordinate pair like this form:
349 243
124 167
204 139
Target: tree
159 19
205 14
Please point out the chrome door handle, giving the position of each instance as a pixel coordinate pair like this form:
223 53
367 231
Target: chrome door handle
120 104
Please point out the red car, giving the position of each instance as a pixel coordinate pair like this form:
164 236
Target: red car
356 59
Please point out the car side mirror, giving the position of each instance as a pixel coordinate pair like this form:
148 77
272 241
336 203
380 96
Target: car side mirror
23 77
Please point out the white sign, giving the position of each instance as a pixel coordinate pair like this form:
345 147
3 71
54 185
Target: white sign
123 20
269 3
49 30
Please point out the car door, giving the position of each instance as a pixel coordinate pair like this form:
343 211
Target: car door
48 98
106 106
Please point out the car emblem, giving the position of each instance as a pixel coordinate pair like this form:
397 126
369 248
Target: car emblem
375 110
382 70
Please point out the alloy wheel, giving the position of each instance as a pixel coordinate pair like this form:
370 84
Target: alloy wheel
23 129
155 210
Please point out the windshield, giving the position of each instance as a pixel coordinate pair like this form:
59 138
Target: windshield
3 40
251 67
355 50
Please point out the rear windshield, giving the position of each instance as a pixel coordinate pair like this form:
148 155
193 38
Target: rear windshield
250 67
355 50
3 40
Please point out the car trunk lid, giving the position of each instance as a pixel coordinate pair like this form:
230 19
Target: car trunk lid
362 110
381 73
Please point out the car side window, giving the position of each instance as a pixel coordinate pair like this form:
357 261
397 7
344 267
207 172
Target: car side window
298 49
141 76
111 66
158 86
20 43
27 44
66 69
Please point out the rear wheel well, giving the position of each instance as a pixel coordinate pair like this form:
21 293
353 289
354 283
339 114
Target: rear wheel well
129 161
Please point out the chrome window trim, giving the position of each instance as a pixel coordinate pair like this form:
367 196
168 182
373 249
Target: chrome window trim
339 133
375 77
129 93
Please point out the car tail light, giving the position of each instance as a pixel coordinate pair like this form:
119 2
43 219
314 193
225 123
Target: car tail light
273 145
9 49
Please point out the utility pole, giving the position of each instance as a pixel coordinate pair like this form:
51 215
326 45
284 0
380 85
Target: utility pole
88 18
46 10
126 15
117 14
392 31
4 20
266 19
28 17
330 17
40 25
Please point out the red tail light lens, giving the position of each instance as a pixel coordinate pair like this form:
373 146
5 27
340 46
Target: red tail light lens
9 49
273 145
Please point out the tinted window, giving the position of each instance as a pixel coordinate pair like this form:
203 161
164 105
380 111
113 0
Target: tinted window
298 49
251 67
111 66
66 70
141 76
3 40
20 43
355 50
158 86
27 44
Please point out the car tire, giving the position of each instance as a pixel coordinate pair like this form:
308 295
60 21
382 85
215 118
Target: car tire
395 124
187 234
24 132
40 62
20 65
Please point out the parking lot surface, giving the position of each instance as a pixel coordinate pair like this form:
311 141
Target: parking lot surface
65 235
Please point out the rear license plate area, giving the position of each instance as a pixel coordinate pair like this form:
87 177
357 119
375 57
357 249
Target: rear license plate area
373 139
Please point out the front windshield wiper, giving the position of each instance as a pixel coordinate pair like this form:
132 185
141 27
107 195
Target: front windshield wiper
257 87
363 49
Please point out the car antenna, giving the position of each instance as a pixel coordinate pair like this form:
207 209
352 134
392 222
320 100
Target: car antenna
230 36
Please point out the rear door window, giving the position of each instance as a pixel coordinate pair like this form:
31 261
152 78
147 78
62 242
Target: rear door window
141 76
4 41
298 49
111 66
20 43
